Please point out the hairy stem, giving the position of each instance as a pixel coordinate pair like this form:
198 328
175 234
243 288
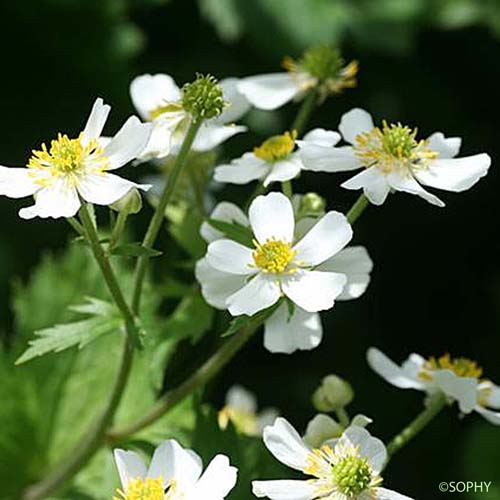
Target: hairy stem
118 228
357 209
305 111
199 378
436 404
159 214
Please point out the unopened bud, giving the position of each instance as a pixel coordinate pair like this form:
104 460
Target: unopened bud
311 205
203 98
130 203
333 393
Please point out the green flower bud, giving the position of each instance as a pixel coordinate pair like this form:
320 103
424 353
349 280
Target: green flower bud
322 61
130 203
311 205
333 394
203 97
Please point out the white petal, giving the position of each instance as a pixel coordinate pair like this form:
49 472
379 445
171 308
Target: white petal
369 447
217 286
160 141
130 466
355 122
57 200
373 183
259 293
96 121
284 489
321 137
211 135
270 91
356 264
390 371
225 212
326 159
490 392
491 416
320 429
284 442
385 494
447 147
242 170
408 184
240 398
170 460
230 257
361 420
303 331
413 365
314 290
283 170
271 216
461 389
17 182
266 417
104 189
327 237
454 174
238 104
148 92
128 143
217 481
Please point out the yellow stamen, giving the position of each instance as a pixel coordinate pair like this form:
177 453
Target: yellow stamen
144 489
277 147
170 107
274 256
462 367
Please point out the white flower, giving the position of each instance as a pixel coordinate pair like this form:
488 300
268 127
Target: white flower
349 270
241 410
320 67
347 468
175 473
70 170
393 159
459 379
322 428
158 99
274 160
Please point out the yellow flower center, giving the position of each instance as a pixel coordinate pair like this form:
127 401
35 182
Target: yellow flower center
461 367
277 147
68 157
392 147
273 256
143 489
245 422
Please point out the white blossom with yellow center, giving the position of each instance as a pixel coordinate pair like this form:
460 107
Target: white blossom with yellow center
175 473
459 379
282 333
347 468
158 99
68 171
274 160
240 410
394 159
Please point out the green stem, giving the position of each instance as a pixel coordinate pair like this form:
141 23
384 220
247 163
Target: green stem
357 209
343 417
118 228
199 378
76 225
108 273
159 215
92 439
436 404
287 189
305 111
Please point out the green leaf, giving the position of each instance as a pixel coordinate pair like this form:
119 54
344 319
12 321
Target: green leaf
135 250
234 231
79 333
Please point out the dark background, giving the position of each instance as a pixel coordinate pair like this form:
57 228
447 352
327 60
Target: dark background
436 282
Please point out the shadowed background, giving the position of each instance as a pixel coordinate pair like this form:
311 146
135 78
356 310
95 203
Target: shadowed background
436 283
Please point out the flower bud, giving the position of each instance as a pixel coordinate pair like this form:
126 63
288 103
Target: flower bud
130 203
333 393
203 98
311 205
